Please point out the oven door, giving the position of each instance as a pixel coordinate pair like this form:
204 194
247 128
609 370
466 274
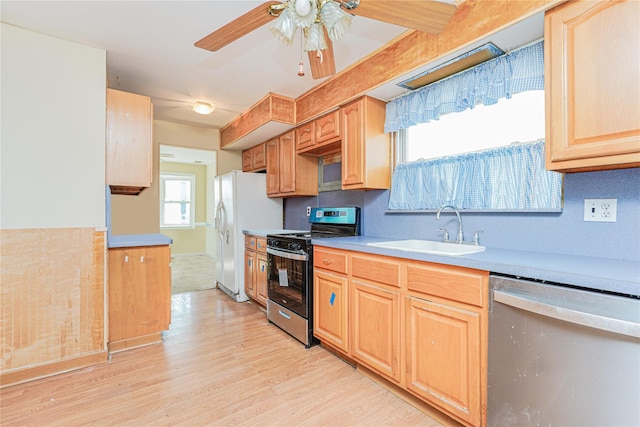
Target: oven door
289 276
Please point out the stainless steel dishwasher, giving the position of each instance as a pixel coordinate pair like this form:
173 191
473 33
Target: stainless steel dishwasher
562 356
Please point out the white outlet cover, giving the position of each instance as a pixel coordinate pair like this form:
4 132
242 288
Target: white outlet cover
601 210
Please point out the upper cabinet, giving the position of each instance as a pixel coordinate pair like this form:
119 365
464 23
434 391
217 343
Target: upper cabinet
592 63
320 136
254 159
129 152
289 174
366 149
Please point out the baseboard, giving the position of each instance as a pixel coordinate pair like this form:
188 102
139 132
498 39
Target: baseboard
129 343
33 373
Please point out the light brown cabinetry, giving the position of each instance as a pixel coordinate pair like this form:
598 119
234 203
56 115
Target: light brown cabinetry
289 174
331 298
421 326
254 159
255 269
139 295
129 153
366 149
375 314
592 58
446 332
320 136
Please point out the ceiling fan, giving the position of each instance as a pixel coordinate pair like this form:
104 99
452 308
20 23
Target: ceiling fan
324 21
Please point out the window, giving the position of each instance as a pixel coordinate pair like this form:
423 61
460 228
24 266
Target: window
177 200
519 119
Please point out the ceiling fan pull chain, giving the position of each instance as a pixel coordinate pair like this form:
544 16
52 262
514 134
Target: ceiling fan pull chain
300 62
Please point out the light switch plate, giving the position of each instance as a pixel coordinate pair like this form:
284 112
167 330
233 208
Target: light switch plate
601 210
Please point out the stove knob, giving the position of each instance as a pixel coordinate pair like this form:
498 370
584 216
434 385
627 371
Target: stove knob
273 242
295 246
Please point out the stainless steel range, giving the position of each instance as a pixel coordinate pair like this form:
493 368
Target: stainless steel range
290 275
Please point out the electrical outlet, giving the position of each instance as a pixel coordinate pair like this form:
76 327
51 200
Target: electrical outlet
308 210
601 210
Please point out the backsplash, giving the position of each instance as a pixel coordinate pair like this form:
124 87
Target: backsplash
565 232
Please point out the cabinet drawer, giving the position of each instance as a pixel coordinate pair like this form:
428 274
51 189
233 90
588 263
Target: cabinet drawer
250 242
452 283
330 260
261 245
377 269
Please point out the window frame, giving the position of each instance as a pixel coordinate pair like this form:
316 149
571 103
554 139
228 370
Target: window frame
176 176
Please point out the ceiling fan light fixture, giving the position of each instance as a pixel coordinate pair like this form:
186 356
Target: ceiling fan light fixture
203 108
314 38
284 28
303 7
335 19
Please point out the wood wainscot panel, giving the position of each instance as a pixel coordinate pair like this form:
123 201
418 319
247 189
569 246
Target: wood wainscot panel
271 108
53 301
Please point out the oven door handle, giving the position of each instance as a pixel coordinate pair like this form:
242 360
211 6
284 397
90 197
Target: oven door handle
288 255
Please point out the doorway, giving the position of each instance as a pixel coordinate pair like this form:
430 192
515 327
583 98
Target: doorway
186 181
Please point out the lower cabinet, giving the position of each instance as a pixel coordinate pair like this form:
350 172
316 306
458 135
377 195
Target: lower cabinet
443 357
139 295
255 269
420 326
330 302
375 328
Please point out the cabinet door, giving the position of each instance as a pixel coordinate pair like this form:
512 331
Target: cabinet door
287 163
443 357
352 118
128 139
250 273
261 279
247 160
259 159
375 328
139 292
330 304
272 149
328 127
591 74
305 136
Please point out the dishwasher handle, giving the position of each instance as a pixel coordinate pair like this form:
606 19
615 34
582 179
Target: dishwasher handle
596 321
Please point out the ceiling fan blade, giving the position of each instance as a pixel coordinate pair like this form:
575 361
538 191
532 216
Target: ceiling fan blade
237 28
422 15
322 63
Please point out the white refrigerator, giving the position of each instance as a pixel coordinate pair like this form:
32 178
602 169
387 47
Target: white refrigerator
241 204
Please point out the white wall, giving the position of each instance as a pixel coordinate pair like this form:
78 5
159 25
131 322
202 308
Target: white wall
52 139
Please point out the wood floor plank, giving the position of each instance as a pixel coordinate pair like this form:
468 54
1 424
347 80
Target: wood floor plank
220 364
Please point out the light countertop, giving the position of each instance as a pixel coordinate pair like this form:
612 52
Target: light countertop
132 240
606 274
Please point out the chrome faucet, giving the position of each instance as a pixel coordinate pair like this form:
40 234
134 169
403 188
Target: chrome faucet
460 238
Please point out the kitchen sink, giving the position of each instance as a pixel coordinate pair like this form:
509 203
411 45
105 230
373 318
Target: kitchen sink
430 247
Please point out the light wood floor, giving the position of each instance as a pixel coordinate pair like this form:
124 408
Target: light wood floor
221 364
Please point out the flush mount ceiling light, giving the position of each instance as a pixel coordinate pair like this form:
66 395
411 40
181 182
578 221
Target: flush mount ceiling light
202 107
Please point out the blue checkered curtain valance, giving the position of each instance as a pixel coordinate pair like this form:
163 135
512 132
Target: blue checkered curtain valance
486 83
512 177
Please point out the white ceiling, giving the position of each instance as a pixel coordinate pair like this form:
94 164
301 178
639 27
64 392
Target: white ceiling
150 51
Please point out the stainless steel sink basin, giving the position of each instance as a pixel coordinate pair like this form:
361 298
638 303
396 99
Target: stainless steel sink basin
430 247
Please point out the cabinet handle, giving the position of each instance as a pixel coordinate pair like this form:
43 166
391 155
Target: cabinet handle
141 259
126 258
327 261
